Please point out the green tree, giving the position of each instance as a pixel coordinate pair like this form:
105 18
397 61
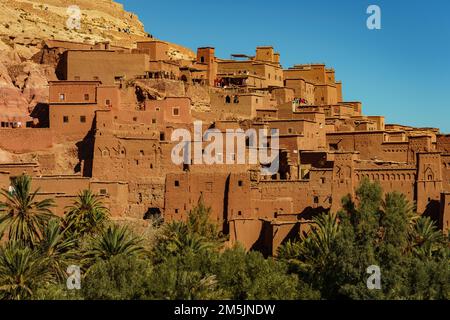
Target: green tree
197 234
86 216
57 248
176 239
199 223
22 271
21 214
186 276
425 238
113 241
317 245
313 256
249 276
122 277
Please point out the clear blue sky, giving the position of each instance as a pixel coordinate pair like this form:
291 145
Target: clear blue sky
401 71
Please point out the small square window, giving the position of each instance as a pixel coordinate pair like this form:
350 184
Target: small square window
86 97
153 121
66 119
103 192
108 102
62 97
177 210
177 183
83 119
134 119
240 183
176 111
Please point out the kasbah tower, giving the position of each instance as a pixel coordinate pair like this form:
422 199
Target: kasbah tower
98 113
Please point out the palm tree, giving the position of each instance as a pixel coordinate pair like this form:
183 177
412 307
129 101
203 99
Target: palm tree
87 215
176 238
22 271
289 250
190 285
57 248
114 241
21 214
193 242
425 238
316 246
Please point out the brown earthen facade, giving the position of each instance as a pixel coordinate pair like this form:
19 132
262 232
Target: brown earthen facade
112 113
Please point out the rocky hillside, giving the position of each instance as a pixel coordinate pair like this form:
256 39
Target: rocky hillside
25 23
100 20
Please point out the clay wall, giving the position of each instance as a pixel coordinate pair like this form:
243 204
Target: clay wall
156 50
26 140
444 221
313 73
443 143
109 67
74 92
171 110
429 183
325 95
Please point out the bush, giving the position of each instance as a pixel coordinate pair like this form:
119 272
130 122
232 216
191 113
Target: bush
119 278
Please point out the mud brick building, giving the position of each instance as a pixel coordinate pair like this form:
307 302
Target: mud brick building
112 111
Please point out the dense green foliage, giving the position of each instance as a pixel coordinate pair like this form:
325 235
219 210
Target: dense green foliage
190 260
412 254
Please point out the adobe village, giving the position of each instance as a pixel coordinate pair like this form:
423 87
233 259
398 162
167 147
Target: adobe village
98 113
